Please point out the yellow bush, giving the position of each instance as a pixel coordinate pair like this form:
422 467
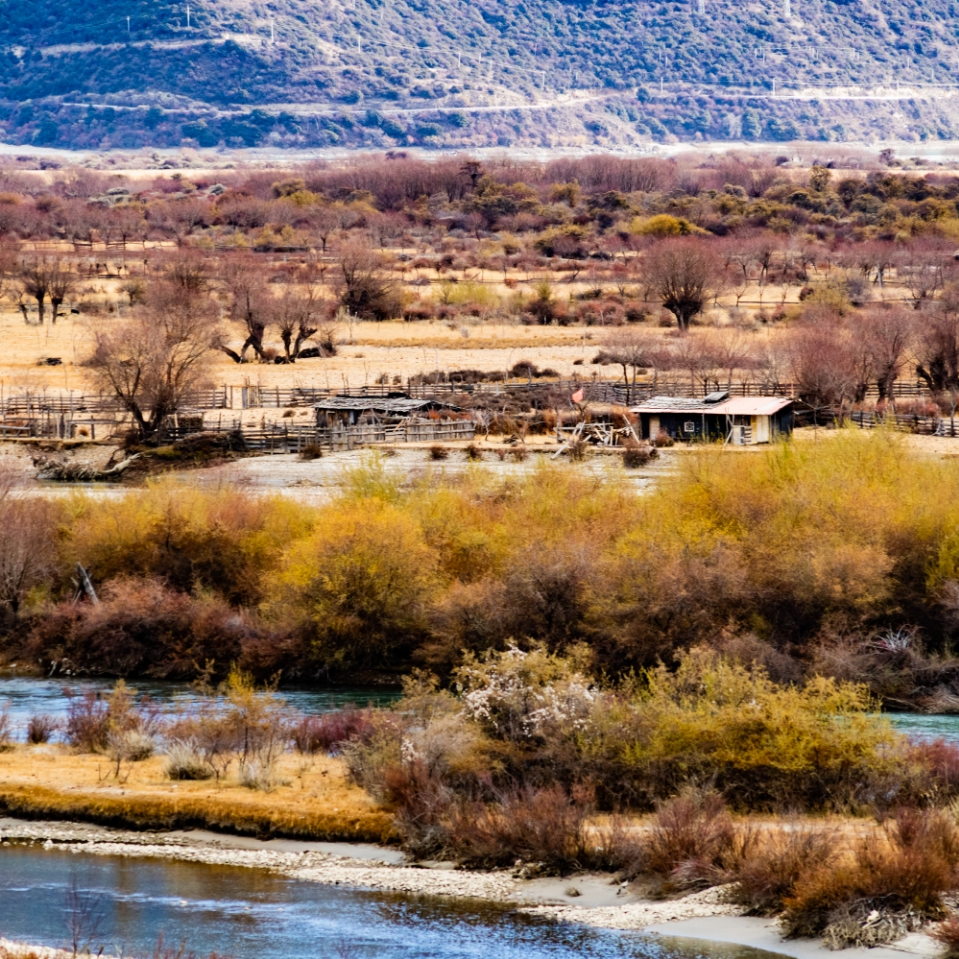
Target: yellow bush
362 580
663 224
194 538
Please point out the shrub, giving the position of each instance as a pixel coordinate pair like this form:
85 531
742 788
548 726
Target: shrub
637 456
41 727
437 452
324 733
903 880
692 842
142 627
764 745
663 440
359 583
88 722
519 454
577 450
769 875
95 724
132 746
524 368
312 451
185 762
473 453
543 827
259 775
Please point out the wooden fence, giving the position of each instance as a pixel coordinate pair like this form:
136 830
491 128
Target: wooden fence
927 425
293 439
71 403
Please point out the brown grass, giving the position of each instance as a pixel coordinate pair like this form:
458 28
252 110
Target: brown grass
314 801
947 934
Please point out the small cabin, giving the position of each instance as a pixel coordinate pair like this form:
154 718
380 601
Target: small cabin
351 410
740 420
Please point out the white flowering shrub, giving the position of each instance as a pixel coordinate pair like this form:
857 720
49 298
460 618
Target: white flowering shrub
521 695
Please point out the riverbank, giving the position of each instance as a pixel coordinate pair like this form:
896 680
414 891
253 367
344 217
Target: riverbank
593 900
313 798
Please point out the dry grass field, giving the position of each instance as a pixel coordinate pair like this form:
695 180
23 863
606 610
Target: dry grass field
315 801
367 352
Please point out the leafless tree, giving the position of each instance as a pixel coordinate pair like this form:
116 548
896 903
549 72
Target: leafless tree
738 260
8 266
151 360
362 287
631 349
924 267
693 355
885 335
299 315
27 545
685 273
45 276
823 365
250 304
323 222
731 350
189 270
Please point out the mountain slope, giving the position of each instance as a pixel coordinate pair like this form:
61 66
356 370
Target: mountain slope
452 72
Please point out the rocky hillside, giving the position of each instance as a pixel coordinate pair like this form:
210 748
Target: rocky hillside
485 72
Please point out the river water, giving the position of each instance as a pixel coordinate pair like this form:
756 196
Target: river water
126 904
27 696
24 697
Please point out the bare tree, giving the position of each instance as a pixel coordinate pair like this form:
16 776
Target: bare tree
84 918
8 266
685 273
885 335
45 276
299 315
323 222
924 267
362 288
823 366
694 355
27 544
246 283
631 349
150 361
731 350
737 260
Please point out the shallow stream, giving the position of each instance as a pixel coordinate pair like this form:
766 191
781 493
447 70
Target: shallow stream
50 896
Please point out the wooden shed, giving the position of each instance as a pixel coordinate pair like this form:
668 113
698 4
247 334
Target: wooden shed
740 421
350 410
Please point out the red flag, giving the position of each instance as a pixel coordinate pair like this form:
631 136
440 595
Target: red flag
577 397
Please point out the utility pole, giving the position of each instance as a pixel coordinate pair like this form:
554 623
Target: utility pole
128 26
787 9
701 7
774 86
188 16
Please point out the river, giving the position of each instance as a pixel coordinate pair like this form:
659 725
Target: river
125 904
23 697
28 696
